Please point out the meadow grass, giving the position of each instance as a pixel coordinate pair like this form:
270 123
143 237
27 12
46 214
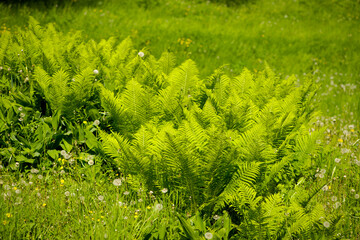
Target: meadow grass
293 37
321 39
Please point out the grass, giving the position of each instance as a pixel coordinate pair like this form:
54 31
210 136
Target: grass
294 37
78 200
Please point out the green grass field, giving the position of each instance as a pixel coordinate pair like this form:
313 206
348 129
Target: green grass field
293 37
308 189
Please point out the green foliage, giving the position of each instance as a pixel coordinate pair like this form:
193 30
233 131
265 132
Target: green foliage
239 145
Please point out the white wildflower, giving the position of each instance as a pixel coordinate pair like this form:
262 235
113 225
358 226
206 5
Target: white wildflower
101 198
357 196
326 224
164 190
216 217
117 182
96 71
158 207
208 235
67 193
337 160
96 123
91 162
126 193
141 54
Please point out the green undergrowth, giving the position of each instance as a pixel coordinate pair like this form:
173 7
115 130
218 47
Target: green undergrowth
100 140
293 37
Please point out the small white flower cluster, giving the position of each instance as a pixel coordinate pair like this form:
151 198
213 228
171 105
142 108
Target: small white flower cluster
117 182
320 174
65 154
90 159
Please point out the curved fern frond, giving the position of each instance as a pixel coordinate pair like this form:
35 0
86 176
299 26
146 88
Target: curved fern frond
240 186
166 62
114 106
134 98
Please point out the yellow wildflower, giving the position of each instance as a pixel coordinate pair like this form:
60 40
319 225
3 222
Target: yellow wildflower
8 215
340 140
44 205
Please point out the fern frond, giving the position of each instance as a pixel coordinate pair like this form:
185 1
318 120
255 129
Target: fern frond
78 91
43 79
134 100
166 62
239 187
114 106
58 89
121 53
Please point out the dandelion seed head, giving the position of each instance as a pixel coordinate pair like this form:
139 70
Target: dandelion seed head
158 207
117 182
96 123
96 72
67 193
356 196
208 235
101 198
337 160
326 224
337 205
141 54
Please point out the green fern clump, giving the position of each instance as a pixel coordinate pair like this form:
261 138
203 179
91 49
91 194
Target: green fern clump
236 144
